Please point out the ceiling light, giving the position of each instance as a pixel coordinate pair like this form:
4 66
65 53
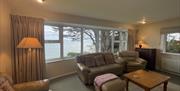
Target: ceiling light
143 21
41 1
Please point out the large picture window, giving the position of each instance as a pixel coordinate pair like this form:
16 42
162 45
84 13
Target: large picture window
68 41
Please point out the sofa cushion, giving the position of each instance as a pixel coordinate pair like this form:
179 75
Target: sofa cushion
111 68
99 60
129 58
109 58
90 61
129 54
133 63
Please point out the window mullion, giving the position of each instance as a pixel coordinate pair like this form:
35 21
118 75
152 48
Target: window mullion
61 41
82 43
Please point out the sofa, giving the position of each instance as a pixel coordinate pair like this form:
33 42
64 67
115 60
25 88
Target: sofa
41 85
91 65
132 60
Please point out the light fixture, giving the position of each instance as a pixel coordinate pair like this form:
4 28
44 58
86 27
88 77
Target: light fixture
140 43
41 1
143 21
29 42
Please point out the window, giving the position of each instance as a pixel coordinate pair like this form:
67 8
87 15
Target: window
72 41
173 42
68 40
89 41
52 44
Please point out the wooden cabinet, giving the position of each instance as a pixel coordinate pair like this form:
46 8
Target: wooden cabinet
149 55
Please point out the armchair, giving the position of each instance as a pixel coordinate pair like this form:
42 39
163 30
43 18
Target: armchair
132 61
41 85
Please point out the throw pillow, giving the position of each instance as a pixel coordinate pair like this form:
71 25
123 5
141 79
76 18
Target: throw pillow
6 86
99 60
109 58
90 61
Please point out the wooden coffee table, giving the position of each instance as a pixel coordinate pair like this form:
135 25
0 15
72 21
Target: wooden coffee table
146 79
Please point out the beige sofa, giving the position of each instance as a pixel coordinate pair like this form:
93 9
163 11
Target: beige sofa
41 85
132 60
91 65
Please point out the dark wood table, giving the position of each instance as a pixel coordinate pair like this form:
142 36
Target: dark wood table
146 79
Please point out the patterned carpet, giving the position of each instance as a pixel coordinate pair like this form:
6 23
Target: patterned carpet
73 83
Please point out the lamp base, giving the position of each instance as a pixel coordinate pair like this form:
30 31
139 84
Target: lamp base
140 46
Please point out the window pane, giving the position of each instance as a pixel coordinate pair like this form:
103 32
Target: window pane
52 50
116 35
116 47
173 42
51 32
89 41
72 41
106 41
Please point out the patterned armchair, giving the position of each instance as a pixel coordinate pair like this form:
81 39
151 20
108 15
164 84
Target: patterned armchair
132 60
41 85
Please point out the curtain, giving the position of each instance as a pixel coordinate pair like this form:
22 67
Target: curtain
27 65
131 39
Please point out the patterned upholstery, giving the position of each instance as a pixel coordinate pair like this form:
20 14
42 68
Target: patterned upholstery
41 85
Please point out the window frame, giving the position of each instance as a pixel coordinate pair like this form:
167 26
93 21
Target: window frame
165 43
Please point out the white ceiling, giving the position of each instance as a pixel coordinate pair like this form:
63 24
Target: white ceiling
124 11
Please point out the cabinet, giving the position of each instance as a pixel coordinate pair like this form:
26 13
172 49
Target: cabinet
149 55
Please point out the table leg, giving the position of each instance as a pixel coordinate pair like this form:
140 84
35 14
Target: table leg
127 84
165 86
147 89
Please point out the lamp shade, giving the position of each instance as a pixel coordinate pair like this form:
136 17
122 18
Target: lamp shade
29 42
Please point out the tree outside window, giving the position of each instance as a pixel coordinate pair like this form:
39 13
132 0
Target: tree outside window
173 42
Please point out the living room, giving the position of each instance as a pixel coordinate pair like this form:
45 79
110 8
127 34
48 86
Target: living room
82 27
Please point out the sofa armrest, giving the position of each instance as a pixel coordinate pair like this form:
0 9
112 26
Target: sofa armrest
142 61
41 85
83 68
83 72
119 60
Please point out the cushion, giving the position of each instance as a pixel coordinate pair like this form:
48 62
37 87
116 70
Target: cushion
109 58
5 86
129 58
99 60
90 61
129 54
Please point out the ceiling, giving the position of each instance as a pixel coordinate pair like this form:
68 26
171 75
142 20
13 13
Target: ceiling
124 11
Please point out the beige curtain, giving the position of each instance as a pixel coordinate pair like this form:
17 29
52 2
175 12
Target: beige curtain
131 39
27 65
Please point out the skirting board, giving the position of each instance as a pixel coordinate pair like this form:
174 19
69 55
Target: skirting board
59 76
174 73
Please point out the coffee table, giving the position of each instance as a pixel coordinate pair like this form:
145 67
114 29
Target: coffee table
146 79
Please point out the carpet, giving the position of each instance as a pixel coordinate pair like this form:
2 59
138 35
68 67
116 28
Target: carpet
73 83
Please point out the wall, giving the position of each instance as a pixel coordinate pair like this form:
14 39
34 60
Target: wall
61 68
150 34
5 38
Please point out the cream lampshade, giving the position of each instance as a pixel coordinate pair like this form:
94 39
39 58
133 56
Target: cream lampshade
29 42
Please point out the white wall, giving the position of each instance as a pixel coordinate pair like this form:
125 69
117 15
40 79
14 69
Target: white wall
5 38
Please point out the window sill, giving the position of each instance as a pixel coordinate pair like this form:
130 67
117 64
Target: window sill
58 60
171 53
